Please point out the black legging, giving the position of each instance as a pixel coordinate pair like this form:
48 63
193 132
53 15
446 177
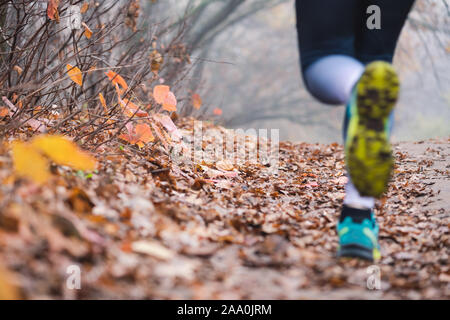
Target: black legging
339 27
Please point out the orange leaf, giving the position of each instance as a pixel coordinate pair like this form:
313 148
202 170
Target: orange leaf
131 109
52 10
4 111
217 111
170 103
196 101
84 7
160 93
132 139
102 101
144 133
129 137
8 291
75 74
118 91
87 31
116 78
139 135
18 69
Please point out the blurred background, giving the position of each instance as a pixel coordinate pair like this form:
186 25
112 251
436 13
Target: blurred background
245 61
240 56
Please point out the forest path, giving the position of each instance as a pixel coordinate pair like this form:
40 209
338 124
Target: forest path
143 229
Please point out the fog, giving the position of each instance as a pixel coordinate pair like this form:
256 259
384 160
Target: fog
251 71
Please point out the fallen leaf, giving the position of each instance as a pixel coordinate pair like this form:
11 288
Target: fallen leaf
7 290
64 152
160 135
29 163
144 133
443 277
4 111
167 123
36 125
139 135
153 249
225 165
79 201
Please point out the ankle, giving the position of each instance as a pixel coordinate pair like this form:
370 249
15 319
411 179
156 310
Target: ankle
357 215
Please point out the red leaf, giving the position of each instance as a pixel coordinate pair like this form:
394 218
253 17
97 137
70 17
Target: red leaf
52 10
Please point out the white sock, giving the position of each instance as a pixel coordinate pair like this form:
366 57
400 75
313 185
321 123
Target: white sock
355 200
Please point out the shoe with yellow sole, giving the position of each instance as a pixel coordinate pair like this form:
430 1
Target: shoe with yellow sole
367 148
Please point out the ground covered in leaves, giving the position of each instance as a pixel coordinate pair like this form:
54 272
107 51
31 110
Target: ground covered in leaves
144 227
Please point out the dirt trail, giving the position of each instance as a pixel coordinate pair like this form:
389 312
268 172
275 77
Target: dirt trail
143 229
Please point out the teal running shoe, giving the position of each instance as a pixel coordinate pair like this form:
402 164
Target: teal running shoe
358 234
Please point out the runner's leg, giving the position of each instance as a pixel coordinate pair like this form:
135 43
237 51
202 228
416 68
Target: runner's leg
327 31
376 45
326 37
380 44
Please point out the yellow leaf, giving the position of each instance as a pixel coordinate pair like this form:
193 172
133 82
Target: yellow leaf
64 152
130 109
7 290
75 74
87 30
29 163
